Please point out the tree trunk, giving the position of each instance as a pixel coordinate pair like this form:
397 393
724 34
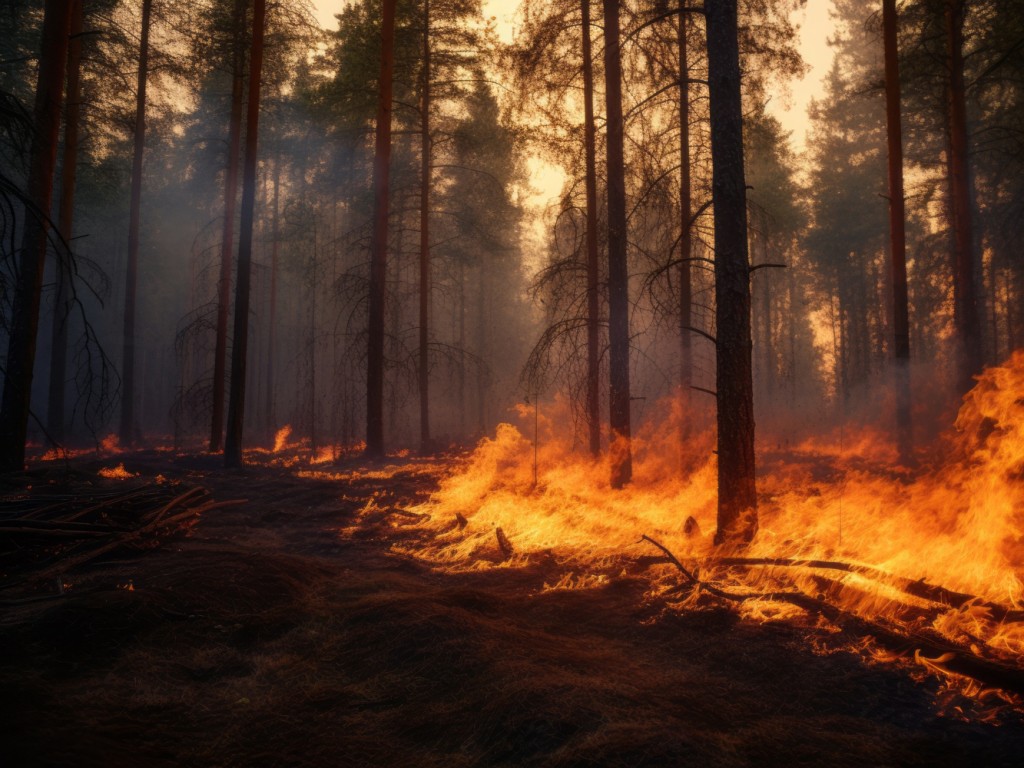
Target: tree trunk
618 270
897 233
685 230
55 418
275 245
228 230
127 431
461 379
24 328
966 320
313 284
240 335
424 358
737 495
379 240
593 404
482 349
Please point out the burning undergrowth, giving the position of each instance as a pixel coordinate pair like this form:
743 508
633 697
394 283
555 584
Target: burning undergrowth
933 555
282 631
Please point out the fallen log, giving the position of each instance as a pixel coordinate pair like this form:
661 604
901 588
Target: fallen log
931 592
947 657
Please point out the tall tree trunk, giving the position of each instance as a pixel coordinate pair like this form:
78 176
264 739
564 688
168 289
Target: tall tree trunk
313 283
127 431
966 319
461 380
55 419
379 239
28 289
482 348
228 229
618 269
272 326
593 269
424 358
240 335
737 494
897 233
685 229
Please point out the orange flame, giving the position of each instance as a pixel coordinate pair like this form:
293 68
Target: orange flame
116 473
281 438
959 524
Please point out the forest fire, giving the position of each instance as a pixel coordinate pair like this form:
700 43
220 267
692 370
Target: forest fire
512 382
116 473
941 551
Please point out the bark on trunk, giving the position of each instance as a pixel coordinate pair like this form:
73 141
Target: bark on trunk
737 496
240 335
965 295
24 328
379 240
228 230
424 359
897 233
272 320
593 404
618 271
55 418
127 430
685 230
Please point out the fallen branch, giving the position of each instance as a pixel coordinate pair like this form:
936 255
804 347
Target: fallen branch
936 594
955 660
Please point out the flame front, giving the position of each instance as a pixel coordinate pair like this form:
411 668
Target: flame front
958 524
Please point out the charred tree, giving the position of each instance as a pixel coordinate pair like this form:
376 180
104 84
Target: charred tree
618 270
127 431
228 228
24 328
897 232
737 495
424 330
55 418
379 239
240 335
593 403
966 318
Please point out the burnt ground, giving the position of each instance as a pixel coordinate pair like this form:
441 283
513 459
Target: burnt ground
271 633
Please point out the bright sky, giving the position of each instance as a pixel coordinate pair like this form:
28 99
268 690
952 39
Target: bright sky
790 107
815 28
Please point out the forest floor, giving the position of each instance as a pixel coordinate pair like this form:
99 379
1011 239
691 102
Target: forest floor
283 632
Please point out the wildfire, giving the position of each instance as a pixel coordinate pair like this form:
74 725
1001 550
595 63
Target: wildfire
281 438
116 473
878 544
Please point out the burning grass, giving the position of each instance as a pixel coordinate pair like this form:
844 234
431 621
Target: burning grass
281 631
938 551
